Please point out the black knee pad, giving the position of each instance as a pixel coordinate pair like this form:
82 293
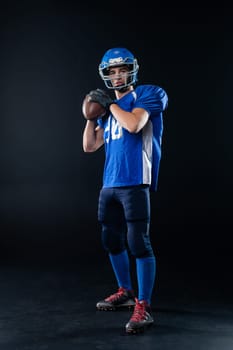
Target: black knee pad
113 241
139 239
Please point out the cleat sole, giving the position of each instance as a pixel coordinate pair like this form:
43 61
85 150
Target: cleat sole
139 330
128 307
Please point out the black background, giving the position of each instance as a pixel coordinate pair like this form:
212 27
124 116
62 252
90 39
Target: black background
49 187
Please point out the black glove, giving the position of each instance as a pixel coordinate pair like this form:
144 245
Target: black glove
101 97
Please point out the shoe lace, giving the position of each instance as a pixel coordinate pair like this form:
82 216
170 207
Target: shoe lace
117 295
139 312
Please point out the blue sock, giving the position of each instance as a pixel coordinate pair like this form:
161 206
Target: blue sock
120 265
146 268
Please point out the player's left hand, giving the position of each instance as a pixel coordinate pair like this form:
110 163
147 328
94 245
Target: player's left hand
101 97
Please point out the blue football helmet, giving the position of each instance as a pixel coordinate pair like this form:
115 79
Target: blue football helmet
118 57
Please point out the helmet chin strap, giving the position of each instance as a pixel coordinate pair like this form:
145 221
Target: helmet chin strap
123 89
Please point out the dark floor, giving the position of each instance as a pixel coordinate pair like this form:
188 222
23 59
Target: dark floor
53 307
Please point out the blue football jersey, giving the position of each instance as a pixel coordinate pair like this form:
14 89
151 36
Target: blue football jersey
134 158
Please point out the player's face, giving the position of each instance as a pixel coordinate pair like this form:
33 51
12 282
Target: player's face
118 75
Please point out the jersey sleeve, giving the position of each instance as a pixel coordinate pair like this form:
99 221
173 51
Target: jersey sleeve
152 98
102 122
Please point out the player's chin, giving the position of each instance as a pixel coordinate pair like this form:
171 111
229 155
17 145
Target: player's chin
118 86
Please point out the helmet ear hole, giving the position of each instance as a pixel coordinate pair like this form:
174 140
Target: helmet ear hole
106 71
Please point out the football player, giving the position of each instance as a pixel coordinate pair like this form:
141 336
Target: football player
131 132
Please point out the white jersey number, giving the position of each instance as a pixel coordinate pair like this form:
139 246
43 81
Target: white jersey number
114 129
